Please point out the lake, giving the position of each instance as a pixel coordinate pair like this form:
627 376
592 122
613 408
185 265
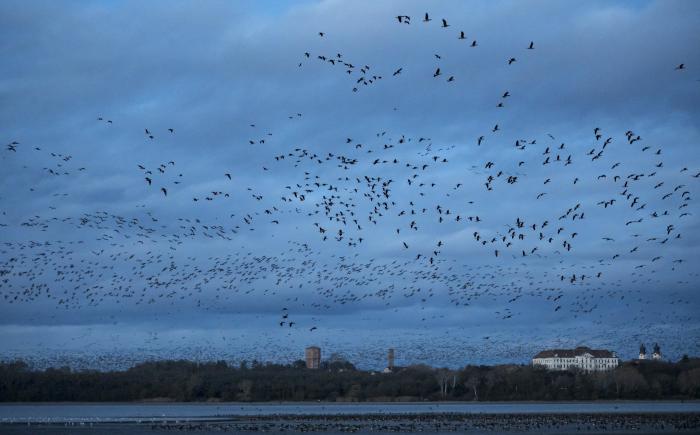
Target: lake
121 412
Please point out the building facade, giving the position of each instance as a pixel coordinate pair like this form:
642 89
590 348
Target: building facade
313 357
581 358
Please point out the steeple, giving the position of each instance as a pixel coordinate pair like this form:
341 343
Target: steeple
642 351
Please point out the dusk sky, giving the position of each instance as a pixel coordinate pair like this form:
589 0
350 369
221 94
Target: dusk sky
240 180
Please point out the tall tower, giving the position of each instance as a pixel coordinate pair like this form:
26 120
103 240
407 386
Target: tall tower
656 355
642 351
390 359
313 357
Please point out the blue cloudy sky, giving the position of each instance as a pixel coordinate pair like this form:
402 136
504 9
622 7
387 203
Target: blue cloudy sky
369 202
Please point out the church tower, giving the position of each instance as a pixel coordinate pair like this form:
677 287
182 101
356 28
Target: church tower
642 351
656 355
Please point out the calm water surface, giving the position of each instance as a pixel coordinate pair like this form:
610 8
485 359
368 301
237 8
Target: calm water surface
118 412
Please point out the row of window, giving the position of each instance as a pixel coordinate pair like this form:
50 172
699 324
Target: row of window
565 363
574 361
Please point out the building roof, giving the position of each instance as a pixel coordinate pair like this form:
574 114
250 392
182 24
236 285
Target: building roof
571 353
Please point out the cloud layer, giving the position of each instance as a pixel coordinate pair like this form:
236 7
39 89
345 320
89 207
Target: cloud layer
98 261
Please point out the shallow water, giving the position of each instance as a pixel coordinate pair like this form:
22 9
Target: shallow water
133 430
121 412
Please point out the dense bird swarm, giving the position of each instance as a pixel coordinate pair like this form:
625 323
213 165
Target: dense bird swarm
301 241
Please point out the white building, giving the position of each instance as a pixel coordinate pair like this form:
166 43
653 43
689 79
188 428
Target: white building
582 358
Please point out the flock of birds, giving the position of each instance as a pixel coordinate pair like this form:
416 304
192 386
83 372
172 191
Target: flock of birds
388 187
368 76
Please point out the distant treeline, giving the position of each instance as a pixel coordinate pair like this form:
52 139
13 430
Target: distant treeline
340 381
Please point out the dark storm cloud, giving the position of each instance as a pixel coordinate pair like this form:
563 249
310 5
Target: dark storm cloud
209 71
